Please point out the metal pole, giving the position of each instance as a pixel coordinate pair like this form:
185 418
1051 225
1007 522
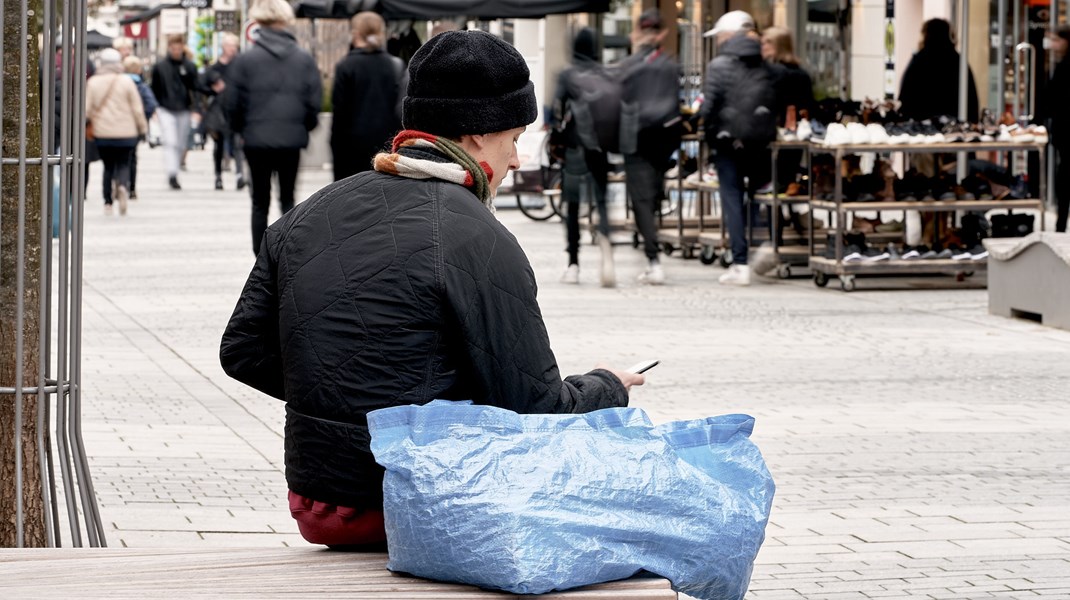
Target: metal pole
1016 35
1001 59
44 332
20 279
964 78
1049 194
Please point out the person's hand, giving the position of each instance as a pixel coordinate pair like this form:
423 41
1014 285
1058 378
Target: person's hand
627 378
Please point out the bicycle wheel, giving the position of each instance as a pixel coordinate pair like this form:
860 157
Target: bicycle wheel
536 207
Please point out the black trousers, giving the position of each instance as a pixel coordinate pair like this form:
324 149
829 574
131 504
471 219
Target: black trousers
263 163
116 167
588 170
646 185
223 142
1062 187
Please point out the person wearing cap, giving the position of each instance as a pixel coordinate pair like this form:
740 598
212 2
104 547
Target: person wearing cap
741 164
114 109
273 99
399 286
651 81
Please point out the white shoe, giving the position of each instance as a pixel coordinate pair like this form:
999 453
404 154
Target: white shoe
803 131
609 274
858 134
736 275
571 274
653 275
836 135
121 195
877 134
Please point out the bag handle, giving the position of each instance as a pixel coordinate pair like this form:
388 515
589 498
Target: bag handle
106 96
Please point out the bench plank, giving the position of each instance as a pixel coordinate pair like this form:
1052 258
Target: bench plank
256 572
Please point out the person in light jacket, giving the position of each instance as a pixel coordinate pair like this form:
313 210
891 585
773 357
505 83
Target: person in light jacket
114 108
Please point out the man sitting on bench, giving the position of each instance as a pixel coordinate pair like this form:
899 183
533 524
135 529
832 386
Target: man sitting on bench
398 286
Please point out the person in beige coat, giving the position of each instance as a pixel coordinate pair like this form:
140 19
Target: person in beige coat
113 107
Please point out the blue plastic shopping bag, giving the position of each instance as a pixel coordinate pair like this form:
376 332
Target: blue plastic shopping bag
534 503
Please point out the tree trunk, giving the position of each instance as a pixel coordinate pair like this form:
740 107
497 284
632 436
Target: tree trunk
33 506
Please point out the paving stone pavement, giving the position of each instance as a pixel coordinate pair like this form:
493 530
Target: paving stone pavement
918 444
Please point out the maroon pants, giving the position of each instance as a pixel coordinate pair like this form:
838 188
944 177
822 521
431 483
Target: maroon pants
340 526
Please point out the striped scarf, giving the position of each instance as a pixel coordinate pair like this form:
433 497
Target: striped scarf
405 161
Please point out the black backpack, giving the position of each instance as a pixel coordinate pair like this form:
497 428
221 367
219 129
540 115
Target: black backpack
651 124
595 107
748 114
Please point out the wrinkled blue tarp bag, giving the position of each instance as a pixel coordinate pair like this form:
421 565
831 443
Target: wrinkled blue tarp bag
534 503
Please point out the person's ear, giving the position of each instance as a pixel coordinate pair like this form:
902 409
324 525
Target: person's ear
476 140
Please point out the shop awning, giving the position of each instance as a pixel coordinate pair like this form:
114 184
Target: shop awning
146 15
437 9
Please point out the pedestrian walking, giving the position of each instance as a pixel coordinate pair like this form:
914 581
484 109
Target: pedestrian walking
133 67
739 116
368 87
174 81
930 85
399 286
273 102
651 82
217 125
1058 102
794 95
117 118
585 169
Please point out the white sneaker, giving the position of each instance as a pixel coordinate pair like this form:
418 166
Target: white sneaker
571 274
609 274
653 275
121 195
736 275
803 131
877 134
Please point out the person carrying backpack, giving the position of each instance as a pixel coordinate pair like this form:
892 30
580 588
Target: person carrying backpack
739 117
586 110
650 130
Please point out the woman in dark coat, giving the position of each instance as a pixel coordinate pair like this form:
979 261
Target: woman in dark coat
273 100
1059 109
930 86
369 85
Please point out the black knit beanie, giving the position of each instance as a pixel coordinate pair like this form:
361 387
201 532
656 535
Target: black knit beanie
468 82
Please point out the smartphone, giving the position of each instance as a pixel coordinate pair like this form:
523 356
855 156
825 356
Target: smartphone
643 366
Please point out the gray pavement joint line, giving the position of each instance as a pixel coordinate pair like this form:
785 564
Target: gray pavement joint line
182 359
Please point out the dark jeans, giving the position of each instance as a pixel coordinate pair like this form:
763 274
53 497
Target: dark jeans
263 163
116 167
645 188
1062 187
133 169
740 172
223 143
583 170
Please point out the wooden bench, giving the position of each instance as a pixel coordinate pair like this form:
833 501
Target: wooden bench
251 572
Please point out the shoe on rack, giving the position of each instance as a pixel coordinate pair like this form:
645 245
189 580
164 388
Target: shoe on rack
653 275
218 183
241 182
121 195
945 254
173 182
978 252
609 273
571 274
736 275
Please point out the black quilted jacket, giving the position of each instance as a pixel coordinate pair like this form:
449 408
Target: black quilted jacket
381 291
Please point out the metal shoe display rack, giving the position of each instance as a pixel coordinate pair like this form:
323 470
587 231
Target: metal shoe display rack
825 268
686 233
789 249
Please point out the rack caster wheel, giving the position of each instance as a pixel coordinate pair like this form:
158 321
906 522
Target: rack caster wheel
689 252
707 256
847 283
783 271
725 260
820 279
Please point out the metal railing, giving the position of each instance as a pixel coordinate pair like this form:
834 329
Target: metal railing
41 223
